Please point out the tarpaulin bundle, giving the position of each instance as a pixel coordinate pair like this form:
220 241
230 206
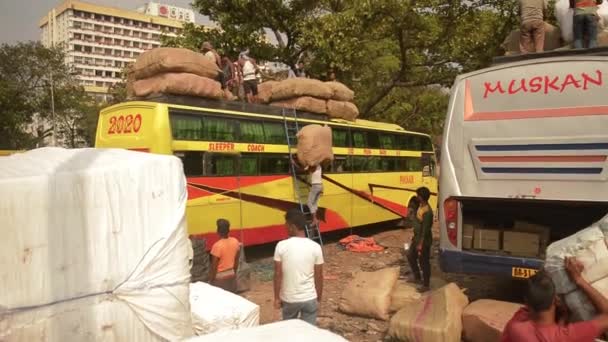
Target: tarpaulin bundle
355 243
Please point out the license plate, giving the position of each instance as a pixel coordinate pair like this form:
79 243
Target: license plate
518 272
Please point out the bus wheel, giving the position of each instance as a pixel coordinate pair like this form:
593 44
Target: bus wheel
200 261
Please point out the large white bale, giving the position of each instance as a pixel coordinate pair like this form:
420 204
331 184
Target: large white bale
94 247
294 330
589 247
214 309
565 18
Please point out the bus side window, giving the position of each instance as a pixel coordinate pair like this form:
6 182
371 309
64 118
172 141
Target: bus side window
274 133
359 163
387 141
340 165
340 137
251 131
220 164
373 140
193 163
274 164
248 165
359 139
426 160
219 129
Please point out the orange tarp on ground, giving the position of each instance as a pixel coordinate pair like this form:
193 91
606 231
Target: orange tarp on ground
355 243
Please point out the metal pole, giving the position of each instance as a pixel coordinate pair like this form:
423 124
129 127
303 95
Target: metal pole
54 137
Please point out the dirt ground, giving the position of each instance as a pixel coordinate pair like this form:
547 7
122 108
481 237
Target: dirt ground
340 266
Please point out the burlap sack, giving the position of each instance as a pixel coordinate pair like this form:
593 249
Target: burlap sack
173 60
369 294
403 294
342 110
435 317
265 91
296 87
340 92
552 40
314 145
484 320
178 84
305 103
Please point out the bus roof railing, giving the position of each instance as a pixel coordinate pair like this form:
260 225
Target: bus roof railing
236 106
600 51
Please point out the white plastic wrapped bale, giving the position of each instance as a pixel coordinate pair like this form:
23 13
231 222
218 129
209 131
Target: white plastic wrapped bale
589 247
94 247
214 309
565 18
294 330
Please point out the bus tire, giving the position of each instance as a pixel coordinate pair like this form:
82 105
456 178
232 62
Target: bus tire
200 261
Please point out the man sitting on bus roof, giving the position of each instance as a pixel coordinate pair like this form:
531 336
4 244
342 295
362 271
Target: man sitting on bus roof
544 317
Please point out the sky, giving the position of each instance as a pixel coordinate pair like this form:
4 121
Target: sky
19 18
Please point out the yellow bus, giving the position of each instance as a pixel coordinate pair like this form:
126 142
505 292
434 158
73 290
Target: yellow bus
236 161
5 153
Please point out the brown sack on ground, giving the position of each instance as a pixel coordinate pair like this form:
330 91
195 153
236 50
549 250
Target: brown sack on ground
369 294
305 103
340 92
314 145
484 320
265 91
296 87
178 84
435 317
403 294
342 110
553 40
175 60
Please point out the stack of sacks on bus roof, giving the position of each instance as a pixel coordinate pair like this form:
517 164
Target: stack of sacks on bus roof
174 71
306 94
94 247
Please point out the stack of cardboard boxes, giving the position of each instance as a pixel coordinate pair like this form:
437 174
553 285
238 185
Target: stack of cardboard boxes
525 239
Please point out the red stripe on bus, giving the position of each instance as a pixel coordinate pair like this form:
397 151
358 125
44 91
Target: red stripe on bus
471 115
232 183
539 159
272 233
146 150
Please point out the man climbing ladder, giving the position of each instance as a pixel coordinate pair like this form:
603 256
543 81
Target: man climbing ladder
316 190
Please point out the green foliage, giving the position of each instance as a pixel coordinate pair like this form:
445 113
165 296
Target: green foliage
28 72
397 55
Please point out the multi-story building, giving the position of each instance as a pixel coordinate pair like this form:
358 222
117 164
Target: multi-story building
101 41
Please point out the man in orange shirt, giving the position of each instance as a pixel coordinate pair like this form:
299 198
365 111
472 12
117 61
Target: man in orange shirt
224 258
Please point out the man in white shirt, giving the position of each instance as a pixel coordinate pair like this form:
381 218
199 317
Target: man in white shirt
298 272
250 81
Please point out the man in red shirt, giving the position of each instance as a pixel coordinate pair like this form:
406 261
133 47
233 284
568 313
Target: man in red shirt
544 317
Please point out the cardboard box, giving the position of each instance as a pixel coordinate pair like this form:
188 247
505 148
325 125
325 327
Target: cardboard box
487 239
467 235
520 243
544 232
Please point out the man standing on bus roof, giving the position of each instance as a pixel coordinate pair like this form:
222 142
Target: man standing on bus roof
250 80
419 254
544 317
224 258
585 21
532 28
298 272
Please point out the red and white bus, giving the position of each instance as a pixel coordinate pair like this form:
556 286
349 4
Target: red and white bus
525 145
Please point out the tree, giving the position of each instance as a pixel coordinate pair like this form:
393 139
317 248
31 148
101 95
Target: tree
395 54
28 73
